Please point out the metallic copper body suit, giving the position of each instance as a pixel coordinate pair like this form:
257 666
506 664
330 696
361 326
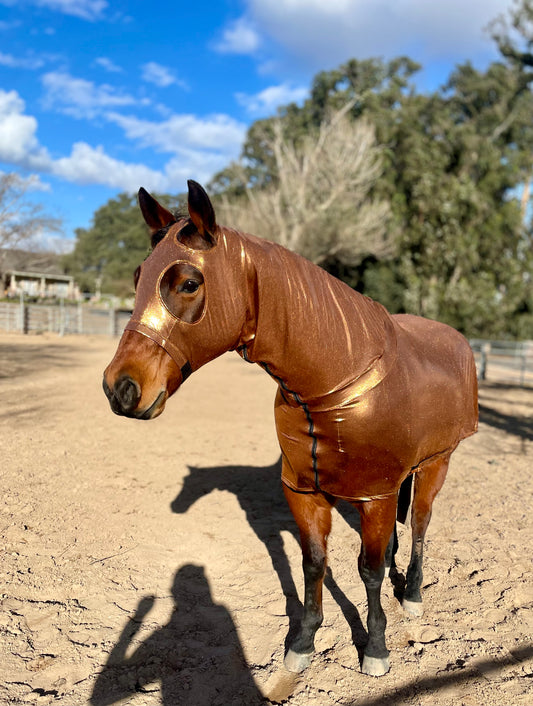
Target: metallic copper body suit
364 398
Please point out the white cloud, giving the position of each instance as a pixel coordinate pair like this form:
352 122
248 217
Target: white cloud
81 98
217 132
197 148
18 140
108 65
19 62
320 34
85 165
239 37
89 165
84 9
160 75
268 100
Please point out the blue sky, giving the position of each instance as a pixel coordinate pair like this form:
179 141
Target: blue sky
101 96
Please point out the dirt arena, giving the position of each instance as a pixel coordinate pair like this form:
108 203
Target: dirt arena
149 563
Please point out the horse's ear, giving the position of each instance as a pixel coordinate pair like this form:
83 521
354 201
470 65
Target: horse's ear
155 215
202 212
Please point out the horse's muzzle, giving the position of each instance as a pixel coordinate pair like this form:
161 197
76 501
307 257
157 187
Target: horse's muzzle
124 397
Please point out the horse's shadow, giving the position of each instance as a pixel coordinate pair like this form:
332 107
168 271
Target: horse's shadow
197 656
259 493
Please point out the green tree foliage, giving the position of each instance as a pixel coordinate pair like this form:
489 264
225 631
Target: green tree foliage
106 254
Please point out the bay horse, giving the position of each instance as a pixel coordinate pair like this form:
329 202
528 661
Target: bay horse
365 400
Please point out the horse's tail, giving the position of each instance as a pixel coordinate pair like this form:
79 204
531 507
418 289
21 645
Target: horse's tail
404 499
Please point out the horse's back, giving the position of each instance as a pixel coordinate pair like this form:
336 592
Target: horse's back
439 375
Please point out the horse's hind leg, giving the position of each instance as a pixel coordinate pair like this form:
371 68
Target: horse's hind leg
428 482
312 512
377 524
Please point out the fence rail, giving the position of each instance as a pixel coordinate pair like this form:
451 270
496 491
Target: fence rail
62 318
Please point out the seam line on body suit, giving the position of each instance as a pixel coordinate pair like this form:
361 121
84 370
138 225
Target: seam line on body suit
311 428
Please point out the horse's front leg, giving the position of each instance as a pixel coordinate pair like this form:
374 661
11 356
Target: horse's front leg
312 512
377 525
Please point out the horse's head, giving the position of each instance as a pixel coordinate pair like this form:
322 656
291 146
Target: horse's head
189 306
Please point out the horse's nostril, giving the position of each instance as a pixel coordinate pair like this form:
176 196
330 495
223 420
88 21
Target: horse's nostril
127 393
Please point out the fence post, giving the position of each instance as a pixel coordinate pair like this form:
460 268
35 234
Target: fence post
523 366
61 317
112 322
80 318
23 313
485 350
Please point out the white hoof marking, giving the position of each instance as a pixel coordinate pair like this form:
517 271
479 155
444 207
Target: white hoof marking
413 608
296 662
375 666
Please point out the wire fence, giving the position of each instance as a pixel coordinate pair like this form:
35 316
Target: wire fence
497 361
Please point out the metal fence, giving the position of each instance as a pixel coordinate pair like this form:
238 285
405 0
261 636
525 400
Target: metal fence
504 361
62 318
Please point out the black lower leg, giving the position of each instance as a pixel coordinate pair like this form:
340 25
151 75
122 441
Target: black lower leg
414 573
314 570
376 621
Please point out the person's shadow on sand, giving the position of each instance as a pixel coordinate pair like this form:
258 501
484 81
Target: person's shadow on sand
197 656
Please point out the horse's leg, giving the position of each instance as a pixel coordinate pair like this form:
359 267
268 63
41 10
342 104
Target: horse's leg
404 503
428 482
390 553
377 524
312 512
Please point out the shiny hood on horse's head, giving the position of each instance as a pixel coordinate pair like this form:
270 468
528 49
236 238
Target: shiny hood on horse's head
190 294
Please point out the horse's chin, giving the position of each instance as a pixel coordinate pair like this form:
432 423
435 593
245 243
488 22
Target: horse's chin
155 409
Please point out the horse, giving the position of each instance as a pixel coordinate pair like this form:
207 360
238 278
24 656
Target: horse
366 400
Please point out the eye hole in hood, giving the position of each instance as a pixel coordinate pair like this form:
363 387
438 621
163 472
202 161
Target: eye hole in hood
182 291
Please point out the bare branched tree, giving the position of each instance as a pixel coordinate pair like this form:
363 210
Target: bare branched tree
21 221
318 203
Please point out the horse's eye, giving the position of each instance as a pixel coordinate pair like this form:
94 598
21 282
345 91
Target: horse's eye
190 286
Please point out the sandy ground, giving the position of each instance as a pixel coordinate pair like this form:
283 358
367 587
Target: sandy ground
154 562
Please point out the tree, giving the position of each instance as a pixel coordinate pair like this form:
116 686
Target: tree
514 34
316 199
20 219
453 165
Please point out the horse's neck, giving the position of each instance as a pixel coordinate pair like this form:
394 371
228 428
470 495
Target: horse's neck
308 329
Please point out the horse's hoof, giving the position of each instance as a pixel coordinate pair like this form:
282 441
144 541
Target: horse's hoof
414 608
375 666
297 661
